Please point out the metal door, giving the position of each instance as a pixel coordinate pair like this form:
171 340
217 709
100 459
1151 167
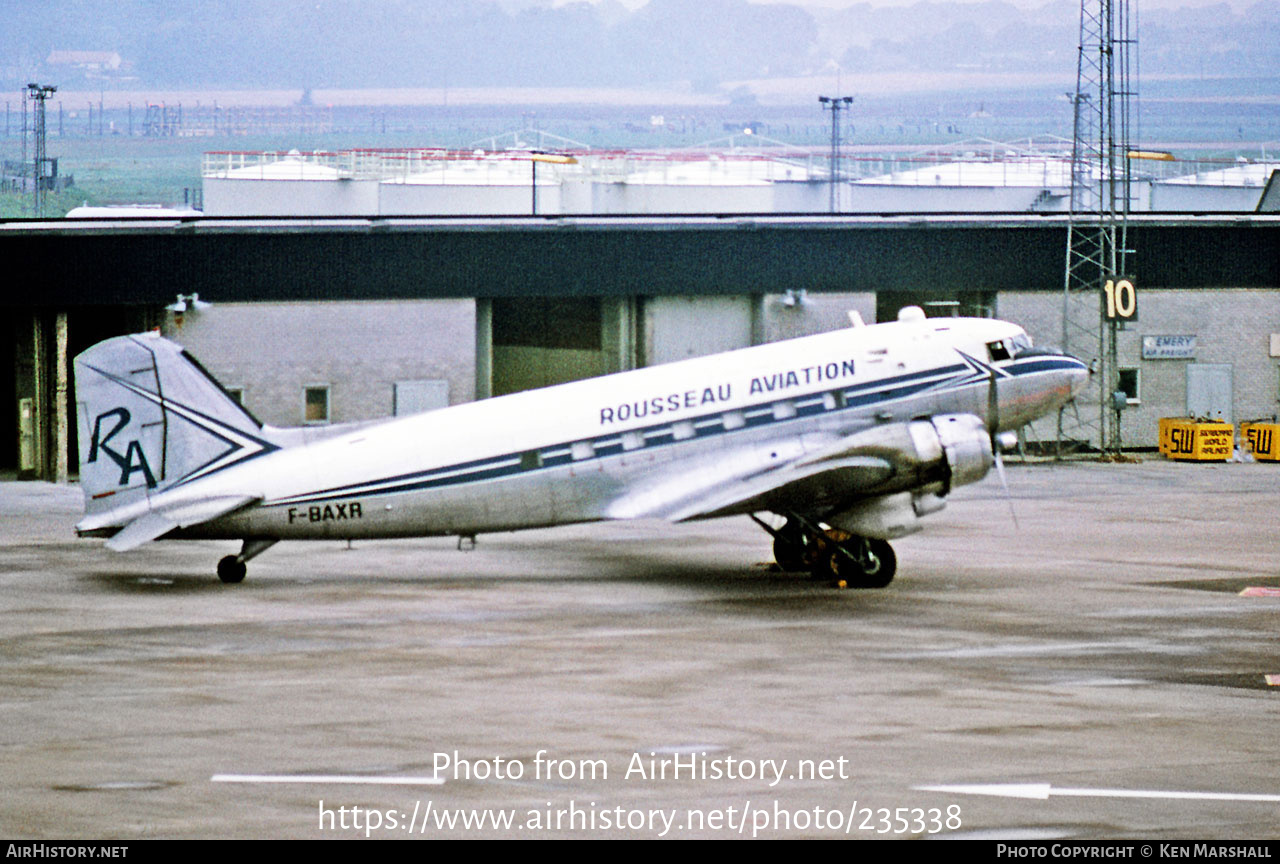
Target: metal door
1209 391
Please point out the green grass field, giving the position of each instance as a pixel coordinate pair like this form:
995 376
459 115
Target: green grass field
1194 118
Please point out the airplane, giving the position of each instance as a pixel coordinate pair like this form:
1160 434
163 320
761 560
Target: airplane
849 437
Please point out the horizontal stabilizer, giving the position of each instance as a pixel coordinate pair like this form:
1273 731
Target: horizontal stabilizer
157 523
139 531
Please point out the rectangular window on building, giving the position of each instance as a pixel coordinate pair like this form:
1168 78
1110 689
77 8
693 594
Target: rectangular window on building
1129 385
315 404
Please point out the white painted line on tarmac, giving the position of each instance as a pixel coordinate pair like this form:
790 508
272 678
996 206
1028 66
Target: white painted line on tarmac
1043 791
327 779
1260 591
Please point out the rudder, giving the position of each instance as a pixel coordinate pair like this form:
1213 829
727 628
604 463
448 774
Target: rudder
151 418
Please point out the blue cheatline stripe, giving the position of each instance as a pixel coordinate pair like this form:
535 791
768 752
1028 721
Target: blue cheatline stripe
855 396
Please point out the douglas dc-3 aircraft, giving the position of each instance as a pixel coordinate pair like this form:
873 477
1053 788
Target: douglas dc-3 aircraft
850 436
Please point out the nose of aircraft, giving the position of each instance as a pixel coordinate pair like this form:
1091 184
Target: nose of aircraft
1077 373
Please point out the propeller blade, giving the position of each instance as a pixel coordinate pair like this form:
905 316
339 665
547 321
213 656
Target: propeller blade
1004 482
997 447
993 405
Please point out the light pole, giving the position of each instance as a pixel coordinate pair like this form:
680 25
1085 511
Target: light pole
39 94
835 104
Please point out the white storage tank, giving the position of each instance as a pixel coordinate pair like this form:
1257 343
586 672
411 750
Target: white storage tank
289 184
476 184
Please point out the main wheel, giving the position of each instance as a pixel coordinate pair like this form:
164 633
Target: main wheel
231 571
792 549
875 570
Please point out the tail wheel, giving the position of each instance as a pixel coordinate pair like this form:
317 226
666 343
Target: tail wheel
231 570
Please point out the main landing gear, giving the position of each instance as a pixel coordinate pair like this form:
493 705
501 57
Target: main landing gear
829 553
231 569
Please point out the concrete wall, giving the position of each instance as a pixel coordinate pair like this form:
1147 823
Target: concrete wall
816 313
1230 326
359 348
677 328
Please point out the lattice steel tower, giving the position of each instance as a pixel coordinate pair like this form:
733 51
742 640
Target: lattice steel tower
835 104
1097 235
39 94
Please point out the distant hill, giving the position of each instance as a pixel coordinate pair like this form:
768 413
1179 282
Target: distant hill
399 43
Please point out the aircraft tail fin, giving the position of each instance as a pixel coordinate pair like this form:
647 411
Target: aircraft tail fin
151 418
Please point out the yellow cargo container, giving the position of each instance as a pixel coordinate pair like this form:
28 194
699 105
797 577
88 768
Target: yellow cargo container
1196 440
1262 440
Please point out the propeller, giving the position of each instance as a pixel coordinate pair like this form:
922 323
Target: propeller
999 440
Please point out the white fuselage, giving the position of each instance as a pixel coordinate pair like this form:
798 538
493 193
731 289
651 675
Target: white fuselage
589 450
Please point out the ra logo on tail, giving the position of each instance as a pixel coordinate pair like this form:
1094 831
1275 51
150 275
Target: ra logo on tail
133 458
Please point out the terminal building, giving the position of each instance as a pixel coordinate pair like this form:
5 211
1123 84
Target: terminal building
324 320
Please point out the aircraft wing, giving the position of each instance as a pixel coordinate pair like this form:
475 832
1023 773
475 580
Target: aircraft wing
815 475
158 522
813 485
768 478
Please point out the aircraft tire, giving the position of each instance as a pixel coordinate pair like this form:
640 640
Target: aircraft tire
884 563
231 571
791 552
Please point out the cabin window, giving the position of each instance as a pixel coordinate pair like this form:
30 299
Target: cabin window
530 459
834 400
998 351
582 450
734 420
315 404
632 440
784 410
683 430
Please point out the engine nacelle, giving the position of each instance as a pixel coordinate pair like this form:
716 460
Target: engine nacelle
888 516
944 452
966 446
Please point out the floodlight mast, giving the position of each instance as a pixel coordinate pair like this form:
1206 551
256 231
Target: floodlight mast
835 104
39 94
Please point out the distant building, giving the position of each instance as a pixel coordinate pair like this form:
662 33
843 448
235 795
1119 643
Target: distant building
90 63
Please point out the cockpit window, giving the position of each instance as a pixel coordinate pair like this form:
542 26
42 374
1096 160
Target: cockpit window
998 351
1021 342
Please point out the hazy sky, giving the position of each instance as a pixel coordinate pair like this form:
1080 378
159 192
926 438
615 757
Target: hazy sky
1025 4
1237 5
